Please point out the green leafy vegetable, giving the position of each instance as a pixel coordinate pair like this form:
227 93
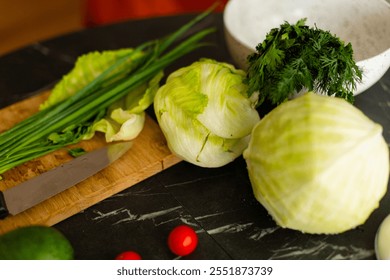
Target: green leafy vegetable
76 152
69 115
87 68
296 57
125 118
318 164
205 113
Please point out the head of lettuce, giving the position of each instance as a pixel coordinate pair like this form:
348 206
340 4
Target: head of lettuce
205 113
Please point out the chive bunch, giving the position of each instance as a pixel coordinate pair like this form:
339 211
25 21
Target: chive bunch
67 122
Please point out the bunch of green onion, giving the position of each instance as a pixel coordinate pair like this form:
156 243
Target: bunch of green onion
66 122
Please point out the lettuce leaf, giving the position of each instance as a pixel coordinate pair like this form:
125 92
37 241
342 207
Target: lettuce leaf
124 119
87 68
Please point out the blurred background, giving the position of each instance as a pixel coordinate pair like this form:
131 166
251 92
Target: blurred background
23 22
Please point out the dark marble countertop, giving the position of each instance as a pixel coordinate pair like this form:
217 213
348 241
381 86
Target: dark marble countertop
218 203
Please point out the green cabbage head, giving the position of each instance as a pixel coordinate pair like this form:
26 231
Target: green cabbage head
205 113
318 164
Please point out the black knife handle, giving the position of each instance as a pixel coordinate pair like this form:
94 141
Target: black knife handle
3 207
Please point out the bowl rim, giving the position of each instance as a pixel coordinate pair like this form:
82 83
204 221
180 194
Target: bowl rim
229 11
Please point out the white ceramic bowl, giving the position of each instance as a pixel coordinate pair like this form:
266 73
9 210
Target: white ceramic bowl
364 23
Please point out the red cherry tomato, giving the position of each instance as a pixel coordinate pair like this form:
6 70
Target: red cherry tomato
128 255
182 240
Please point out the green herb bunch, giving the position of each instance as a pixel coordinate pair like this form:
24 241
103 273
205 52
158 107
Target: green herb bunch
296 57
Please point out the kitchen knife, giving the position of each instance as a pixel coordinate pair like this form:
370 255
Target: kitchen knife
27 194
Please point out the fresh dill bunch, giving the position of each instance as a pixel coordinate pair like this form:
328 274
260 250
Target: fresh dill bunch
297 57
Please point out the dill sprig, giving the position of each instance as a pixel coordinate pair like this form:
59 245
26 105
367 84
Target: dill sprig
297 57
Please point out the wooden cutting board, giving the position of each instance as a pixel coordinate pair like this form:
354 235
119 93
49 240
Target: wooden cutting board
148 156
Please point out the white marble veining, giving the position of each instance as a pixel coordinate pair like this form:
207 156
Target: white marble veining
190 182
313 249
123 215
230 228
385 86
101 216
294 249
199 218
259 234
385 106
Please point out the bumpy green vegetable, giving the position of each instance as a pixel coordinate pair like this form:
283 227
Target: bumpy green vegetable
205 113
318 164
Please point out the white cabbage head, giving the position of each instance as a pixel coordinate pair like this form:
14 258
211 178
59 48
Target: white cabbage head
318 164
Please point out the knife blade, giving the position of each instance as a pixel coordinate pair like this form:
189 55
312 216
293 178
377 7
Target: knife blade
29 193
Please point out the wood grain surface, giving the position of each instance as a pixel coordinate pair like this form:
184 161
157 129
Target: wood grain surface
148 156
